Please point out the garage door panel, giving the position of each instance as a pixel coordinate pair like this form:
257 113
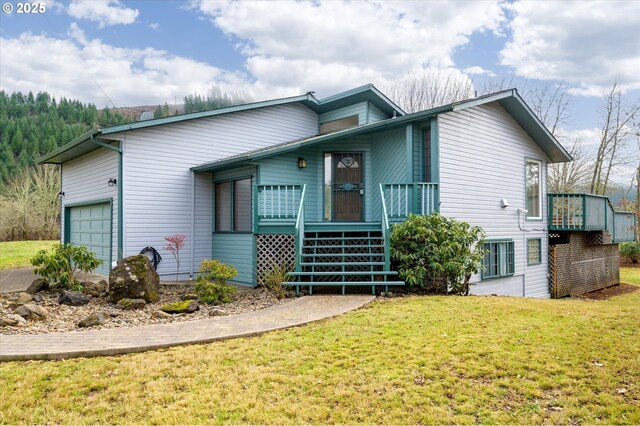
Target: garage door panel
90 226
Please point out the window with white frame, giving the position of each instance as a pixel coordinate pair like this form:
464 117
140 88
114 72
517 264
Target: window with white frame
534 251
499 259
533 180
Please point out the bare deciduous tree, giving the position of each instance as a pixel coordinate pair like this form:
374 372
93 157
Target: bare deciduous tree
429 88
618 114
29 205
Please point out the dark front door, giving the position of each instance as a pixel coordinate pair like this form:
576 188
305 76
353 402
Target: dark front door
348 186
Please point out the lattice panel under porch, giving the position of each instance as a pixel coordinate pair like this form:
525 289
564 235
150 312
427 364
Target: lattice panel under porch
273 249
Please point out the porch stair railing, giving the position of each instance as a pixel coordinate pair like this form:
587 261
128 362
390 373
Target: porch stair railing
587 212
400 199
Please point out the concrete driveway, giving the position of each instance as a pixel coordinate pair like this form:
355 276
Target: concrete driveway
12 280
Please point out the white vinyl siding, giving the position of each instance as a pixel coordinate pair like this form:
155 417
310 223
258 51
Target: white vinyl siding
85 179
482 160
157 178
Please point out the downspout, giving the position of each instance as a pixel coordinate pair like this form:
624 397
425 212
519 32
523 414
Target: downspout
62 218
193 222
117 149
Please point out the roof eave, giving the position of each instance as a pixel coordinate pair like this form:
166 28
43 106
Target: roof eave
50 158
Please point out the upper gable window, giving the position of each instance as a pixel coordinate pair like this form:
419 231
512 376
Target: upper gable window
534 189
335 125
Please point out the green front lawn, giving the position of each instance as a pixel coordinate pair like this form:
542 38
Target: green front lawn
404 360
630 275
16 254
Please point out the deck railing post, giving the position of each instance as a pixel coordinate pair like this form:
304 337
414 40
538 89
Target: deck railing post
256 206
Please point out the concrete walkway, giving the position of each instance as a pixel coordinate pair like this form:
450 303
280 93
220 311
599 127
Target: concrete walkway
117 341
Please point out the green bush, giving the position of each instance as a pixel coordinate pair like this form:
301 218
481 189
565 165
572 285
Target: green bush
213 293
212 284
434 249
631 251
275 277
63 263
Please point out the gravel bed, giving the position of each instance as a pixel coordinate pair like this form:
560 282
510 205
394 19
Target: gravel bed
62 318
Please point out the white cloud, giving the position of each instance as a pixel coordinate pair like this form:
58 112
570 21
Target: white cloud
329 46
154 26
104 12
477 70
586 44
128 76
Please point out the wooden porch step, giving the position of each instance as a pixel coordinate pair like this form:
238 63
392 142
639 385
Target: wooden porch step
303 264
305 273
343 284
342 254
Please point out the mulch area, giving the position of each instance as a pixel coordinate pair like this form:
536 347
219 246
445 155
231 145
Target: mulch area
607 293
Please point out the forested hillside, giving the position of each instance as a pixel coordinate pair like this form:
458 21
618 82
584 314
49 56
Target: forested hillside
32 125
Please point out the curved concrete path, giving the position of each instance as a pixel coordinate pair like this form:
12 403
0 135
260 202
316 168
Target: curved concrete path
116 341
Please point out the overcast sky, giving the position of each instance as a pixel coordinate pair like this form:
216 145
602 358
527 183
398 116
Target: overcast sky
149 52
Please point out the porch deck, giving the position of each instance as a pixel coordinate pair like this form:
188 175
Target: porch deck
342 254
586 212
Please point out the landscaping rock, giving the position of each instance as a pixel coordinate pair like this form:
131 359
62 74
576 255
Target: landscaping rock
24 298
37 285
96 318
217 312
31 312
96 289
4 322
184 306
134 278
131 304
38 298
190 296
73 298
160 314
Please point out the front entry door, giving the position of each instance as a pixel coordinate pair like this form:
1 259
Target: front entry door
348 187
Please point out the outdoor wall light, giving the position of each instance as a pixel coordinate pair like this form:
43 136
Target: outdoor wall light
60 194
113 182
302 163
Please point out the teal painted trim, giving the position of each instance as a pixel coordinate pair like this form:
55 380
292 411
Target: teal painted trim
67 222
539 251
203 114
90 202
366 112
254 272
501 258
121 204
409 150
279 229
106 145
293 146
435 159
256 219
66 147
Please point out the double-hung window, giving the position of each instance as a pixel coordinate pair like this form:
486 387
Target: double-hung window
499 259
233 206
533 181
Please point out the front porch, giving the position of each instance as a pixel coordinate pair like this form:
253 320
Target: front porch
339 254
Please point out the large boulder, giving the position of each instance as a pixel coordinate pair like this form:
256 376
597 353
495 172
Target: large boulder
37 285
134 278
73 298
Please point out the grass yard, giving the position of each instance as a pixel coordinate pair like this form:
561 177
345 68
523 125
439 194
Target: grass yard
630 275
16 254
404 360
